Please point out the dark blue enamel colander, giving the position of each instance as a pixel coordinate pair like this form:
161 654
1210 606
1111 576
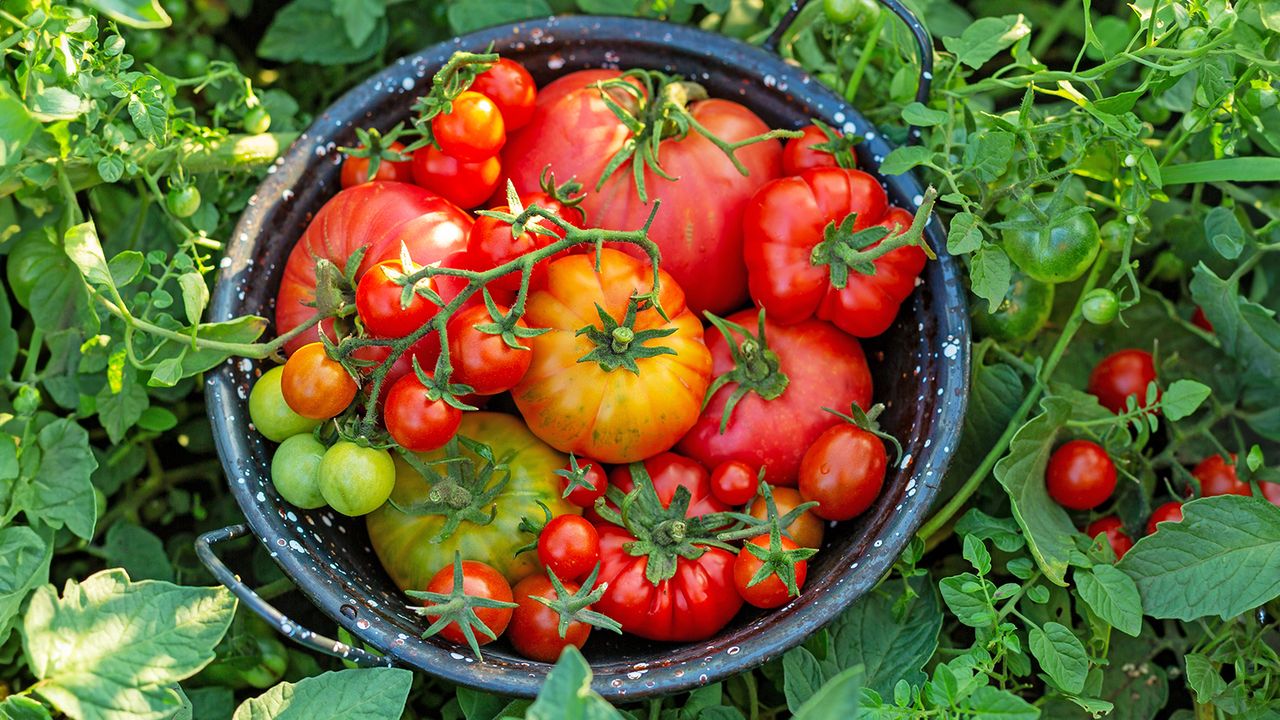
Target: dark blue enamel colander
920 366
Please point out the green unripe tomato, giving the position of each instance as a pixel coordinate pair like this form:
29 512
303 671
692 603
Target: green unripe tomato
1100 306
356 480
1055 249
1023 313
194 63
295 471
183 200
1115 233
271 414
1192 38
257 120
858 13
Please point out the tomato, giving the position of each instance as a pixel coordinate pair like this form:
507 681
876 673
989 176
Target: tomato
700 224
860 13
799 154
511 88
569 546
491 240
823 367
1100 306
1218 477
1168 512
426 350
1114 529
355 170
1271 491
771 592
668 472
535 628
734 483
407 544
1120 375
314 385
295 471
478 580
378 301
784 224
617 406
1080 475
472 130
1199 319
183 201
356 480
257 120
1056 250
466 184
380 215
482 360
843 472
414 420
593 475
1021 315
807 530
270 414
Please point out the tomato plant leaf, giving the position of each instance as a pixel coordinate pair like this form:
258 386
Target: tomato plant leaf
1183 398
1112 596
1203 678
138 551
1248 331
904 158
370 693
838 699
803 676
964 236
567 692
965 596
58 490
990 702
989 153
990 274
985 38
921 115
468 15
361 17
24 564
134 13
888 647
16 128
310 31
1060 654
21 707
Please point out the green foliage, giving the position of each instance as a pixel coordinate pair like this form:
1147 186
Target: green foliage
376 694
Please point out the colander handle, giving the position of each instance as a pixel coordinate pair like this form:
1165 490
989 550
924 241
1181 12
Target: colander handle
924 47
287 627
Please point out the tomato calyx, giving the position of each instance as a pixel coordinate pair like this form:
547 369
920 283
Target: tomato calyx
619 344
377 148
775 560
456 606
845 249
866 421
569 193
446 85
575 606
837 145
575 477
462 489
756 368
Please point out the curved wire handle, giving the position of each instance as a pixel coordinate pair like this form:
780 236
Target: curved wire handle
924 48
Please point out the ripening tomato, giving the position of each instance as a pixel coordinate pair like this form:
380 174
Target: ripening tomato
380 215
535 628
783 225
734 483
799 154
669 471
1218 477
843 472
466 184
595 392
1168 512
1080 475
807 530
770 592
355 170
594 475
569 546
478 580
316 386
378 302
355 480
574 132
1119 540
414 420
1120 375
270 414
472 130
511 88
483 360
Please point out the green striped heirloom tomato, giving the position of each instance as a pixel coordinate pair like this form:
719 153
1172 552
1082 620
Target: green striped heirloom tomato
1053 243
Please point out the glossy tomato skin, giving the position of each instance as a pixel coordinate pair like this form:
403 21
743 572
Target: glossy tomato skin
315 386
511 88
482 360
770 592
1168 512
381 215
595 476
799 154
355 170
1060 250
575 133
426 350
355 480
478 580
404 543
669 471
1080 475
492 243
807 530
1119 540
415 421
569 546
270 414
824 367
535 628
472 130
614 416
843 471
1218 477
1121 374
734 483
379 307
466 184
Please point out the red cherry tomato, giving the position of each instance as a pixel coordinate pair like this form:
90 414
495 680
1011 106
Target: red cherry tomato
1271 491
1218 477
1199 319
1081 475
1114 529
491 241
799 154
315 386
378 303
512 89
478 580
355 170
1120 375
426 350
473 129
535 628
770 592
843 472
734 483
483 360
1168 512
465 184
594 476
569 546
415 421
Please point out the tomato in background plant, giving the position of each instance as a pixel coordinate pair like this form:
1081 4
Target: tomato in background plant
734 483
183 200
483 360
269 412
1111 526
481 581
1054 243
1200 320
256 120
295 471
1218 477
356 480
1080 475
1100 306
1168 512
799 154
597 387
1122 375
569 546
843 471
771 592
535 628
808 528
1022 314
314 385
355 170
416 421
378 301
594 476
472 130
669 471
512 89
465 184
803 368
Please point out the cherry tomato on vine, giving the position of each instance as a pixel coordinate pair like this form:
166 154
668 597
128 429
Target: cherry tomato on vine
483 360
478 580
355 170
807 530
414 420
843 472
772 591
734 483
535 628
295 471
257 120
356 480
1110 525
1120 375
426 350
378 302
1168 512
473 129
1081 475
511 88
1218 477
1053 243
595 476
270 414
314 385
1100 306
569 546
183 200
465 184
799 154
1023 312
491 240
